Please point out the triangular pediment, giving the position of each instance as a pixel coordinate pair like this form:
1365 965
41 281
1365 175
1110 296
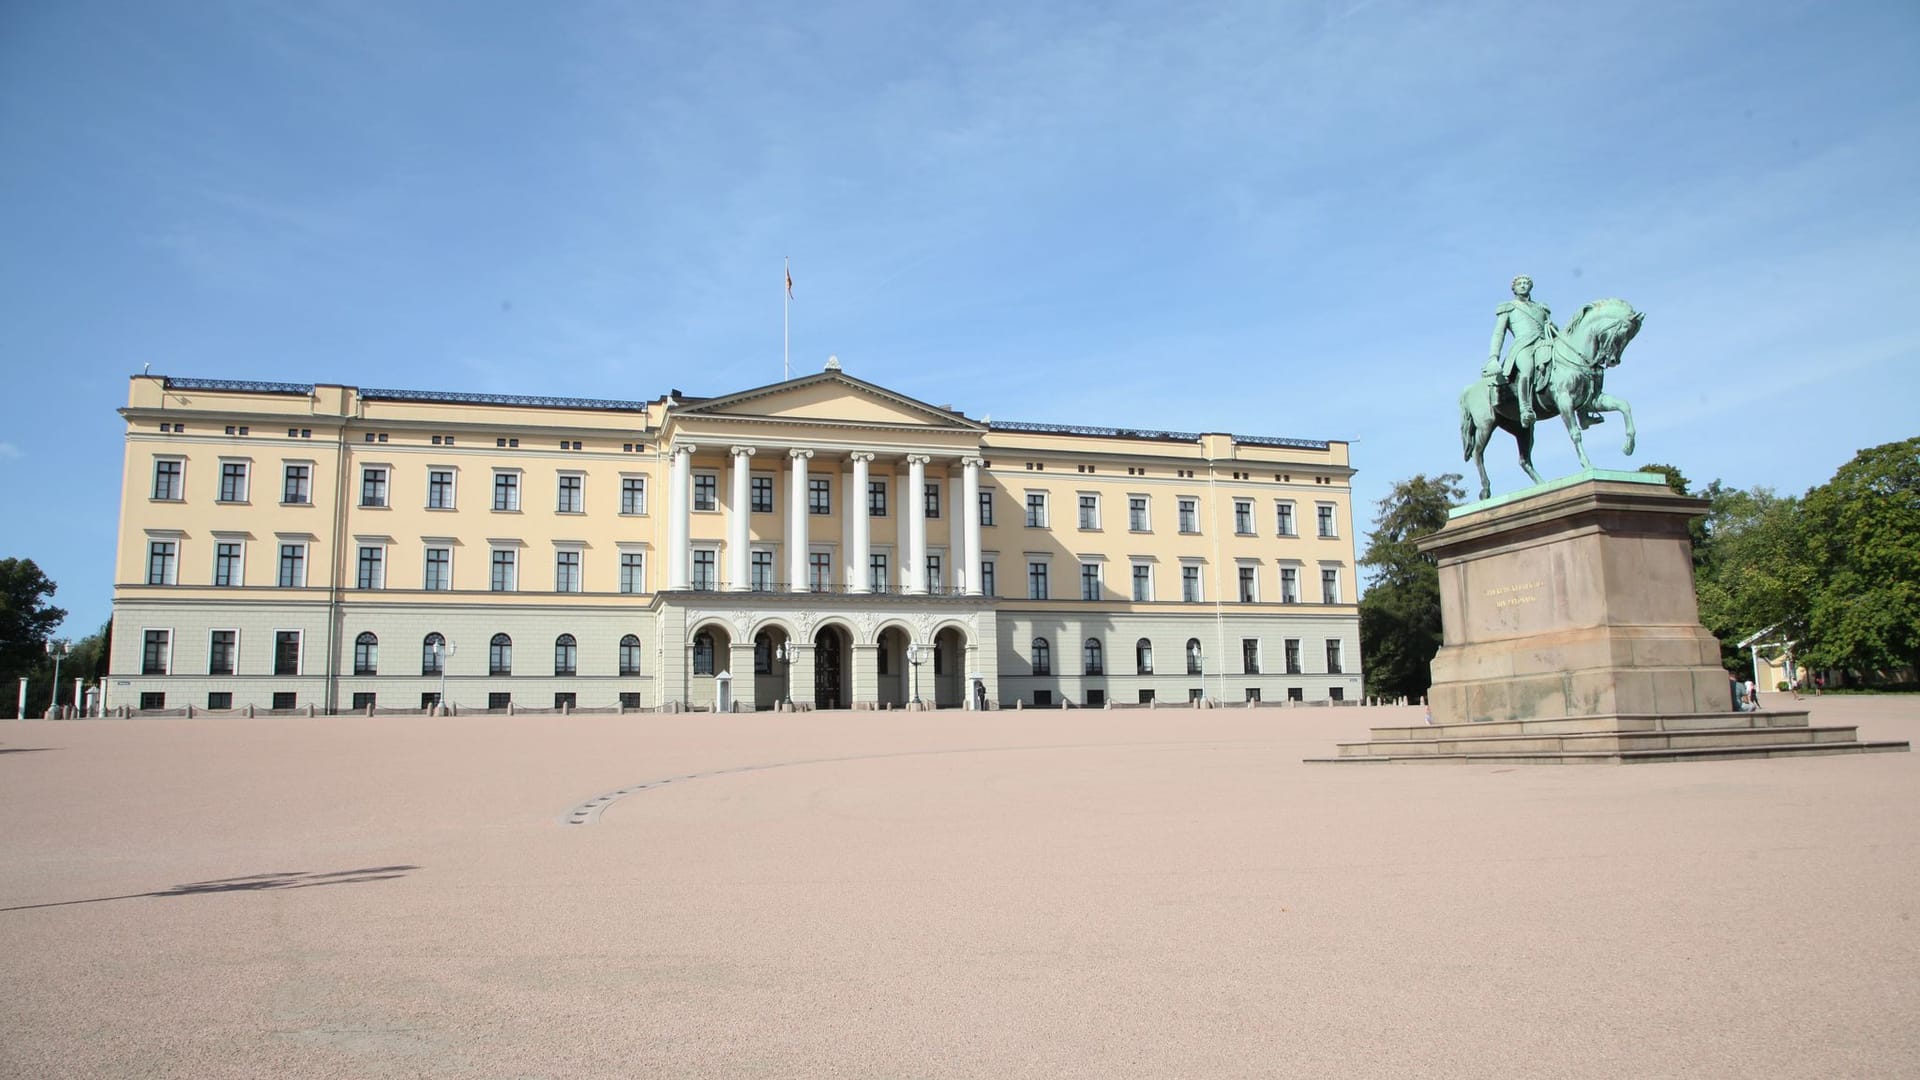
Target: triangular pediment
830 397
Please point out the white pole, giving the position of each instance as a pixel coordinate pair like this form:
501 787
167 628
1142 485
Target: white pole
21 709
77 709
786 324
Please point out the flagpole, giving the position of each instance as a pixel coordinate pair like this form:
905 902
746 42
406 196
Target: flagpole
786 323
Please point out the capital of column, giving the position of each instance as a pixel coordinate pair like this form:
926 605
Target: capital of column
861 456
686 448
918 459
741 451
799 455
972 462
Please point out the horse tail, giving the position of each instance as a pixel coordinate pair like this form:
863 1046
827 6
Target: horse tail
1467 426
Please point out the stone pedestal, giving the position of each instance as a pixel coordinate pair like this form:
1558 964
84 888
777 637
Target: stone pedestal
1573 599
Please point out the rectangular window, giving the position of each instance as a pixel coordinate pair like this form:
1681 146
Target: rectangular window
152 699
569 498
156 653
819 495
1089 511
1293 656
439 576
162 557
506 576
566 571
760 492
986 578
1036 510
1295 693
986 508
1325 513
293 566
227 566
499 699
233 481
933 498
762 569
1250 656
877 498
705 574
1249 588
1283 518
1289 585
1137 519
1243 517
296 486
877 573
1329 586
706 491
633 572
363 700
373 567
1090 581
1190 584
1189 515
566 700
819 571
285 701
1253 694
629 699
506 491
373 486
219 699
286 652
1146 697
933 574
439 489
1333 656
633 494
1142 581
167 474
1036 581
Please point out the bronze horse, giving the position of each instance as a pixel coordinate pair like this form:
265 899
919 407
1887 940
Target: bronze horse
1568 385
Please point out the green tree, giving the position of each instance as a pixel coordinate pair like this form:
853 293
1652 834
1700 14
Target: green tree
1753 569
1865 555
1400 613
26 620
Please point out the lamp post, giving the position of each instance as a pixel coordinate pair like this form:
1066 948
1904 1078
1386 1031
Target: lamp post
443 651
914 658
58 649
784 653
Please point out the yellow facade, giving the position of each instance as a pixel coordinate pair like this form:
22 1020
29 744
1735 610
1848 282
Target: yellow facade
333 547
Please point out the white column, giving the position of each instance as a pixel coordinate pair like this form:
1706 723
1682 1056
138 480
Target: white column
680 517
916 500
970 511
797 522
742 510
855 505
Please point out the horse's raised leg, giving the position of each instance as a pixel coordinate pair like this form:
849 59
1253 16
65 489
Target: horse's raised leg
1564 402
1609 403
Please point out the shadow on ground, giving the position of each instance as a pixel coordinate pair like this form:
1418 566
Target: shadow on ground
285 879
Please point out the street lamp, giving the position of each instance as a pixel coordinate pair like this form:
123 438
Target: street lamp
58 649
442 650
784 653
914 658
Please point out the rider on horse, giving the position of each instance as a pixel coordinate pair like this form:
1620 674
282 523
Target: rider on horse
1531 325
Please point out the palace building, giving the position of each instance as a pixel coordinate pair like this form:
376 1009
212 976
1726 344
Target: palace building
820 540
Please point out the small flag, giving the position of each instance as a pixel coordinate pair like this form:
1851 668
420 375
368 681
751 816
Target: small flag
789 283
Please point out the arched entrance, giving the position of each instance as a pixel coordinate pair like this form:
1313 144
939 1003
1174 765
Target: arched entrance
949 668
831 652
709 654
890 667
772 669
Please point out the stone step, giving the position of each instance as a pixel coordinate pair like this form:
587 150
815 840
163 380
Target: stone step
1598 741
1624 757
1607 723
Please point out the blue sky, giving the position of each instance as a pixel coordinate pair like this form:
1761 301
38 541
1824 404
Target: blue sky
1269 218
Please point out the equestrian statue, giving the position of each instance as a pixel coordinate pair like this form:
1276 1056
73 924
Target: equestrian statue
1547 372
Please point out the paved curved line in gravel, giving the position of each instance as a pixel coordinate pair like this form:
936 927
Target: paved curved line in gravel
588 813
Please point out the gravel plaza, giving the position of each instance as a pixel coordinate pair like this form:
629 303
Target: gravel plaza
1129 893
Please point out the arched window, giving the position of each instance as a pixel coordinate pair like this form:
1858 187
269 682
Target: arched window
366 654
500 655
1096 658
1143 657
1042 657
433 655
1193 656
630 655
703 653
566 655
